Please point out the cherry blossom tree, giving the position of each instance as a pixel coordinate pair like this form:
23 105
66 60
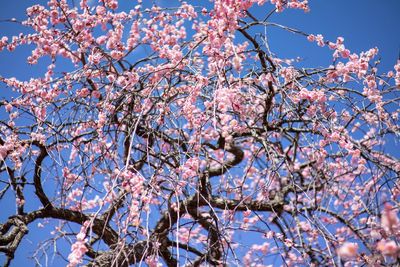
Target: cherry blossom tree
165 136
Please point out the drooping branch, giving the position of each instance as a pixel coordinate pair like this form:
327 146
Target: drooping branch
37 178
261 53
210 224
204 177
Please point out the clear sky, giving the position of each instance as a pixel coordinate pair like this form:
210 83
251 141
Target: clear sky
363 23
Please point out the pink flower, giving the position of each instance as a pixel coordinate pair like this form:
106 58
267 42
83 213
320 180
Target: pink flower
311 37
80 236
348 250
78 249
345 53
3 152
237 63
112 4
19 201
101 10
320 40
388 248
101 40
96 94
389 219
40 113
332 45
84 92
8 107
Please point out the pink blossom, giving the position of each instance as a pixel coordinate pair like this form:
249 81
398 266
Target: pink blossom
388 248
389 219
375 234
236 63
345 53
101 40
19 201
8 107
112 4
83 92
332 45
96 94
320 40
78 249
348 250
311 37
101 10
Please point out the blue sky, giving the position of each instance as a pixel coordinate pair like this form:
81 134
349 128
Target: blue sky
363 23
